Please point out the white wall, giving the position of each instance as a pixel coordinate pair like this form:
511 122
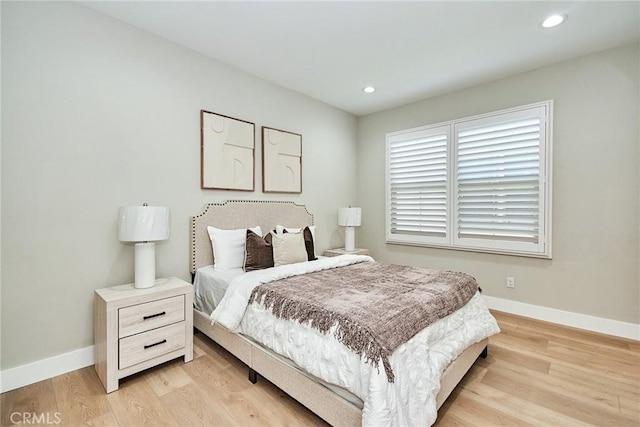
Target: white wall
595 266
97 114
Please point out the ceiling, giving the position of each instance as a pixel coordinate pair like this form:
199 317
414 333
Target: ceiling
331 50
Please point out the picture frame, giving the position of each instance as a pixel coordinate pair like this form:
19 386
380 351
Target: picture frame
281 161
227 152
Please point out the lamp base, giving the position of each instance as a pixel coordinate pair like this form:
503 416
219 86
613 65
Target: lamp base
349 239
145 265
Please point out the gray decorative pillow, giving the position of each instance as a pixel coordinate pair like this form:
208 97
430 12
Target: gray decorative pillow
288 248
259 252
282 229
308 242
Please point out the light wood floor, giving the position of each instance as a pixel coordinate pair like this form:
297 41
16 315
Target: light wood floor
536 374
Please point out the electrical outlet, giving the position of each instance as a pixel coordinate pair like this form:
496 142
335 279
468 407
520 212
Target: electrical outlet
511 282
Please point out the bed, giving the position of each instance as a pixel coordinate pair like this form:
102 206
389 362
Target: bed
336 403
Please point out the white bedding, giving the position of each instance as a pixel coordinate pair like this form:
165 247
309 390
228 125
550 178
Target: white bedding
417 364
210 286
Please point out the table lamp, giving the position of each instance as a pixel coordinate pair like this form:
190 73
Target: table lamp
144 225
349 218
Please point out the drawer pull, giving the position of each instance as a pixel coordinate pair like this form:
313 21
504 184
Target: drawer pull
154 344
151 316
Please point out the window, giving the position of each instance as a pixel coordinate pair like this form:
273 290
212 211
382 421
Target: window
480 183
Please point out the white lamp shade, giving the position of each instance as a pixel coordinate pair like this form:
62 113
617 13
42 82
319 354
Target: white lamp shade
349 217
144 223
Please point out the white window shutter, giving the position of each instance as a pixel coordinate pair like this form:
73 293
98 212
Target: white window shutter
417 185
498 181
480 183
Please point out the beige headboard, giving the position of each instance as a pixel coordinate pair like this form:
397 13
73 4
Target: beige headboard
240 214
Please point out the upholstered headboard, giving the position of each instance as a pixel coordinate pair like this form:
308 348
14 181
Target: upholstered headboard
240 214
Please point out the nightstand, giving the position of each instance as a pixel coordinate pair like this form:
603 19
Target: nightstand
136 329
342 251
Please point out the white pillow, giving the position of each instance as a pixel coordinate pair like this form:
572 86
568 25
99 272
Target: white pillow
312 228
288 248
229 246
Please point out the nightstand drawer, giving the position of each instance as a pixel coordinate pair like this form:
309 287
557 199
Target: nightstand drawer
150 315
145 346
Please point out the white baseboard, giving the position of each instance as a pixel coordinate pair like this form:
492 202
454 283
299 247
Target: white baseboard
40 370
566 318
30 373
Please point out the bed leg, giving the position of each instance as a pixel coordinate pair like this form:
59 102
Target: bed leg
253 376
484 353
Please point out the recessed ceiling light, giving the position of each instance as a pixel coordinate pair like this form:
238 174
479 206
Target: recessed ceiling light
369 89
554 21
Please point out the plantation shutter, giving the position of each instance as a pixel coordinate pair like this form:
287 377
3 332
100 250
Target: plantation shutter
480 183
417 185
499 179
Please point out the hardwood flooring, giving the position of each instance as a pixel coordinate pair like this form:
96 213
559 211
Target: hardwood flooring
536 374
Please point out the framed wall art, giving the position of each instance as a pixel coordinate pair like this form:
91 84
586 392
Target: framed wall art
227 152
281 161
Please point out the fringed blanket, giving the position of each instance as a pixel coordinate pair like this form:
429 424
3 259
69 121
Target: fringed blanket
376 307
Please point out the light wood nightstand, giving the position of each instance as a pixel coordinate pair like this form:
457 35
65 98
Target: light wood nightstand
342 251
135 329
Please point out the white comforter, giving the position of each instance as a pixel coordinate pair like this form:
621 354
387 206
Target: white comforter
417 364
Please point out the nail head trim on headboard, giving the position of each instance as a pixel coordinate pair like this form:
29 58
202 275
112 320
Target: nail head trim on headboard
233 214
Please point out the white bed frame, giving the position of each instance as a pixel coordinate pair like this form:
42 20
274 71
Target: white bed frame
305 389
